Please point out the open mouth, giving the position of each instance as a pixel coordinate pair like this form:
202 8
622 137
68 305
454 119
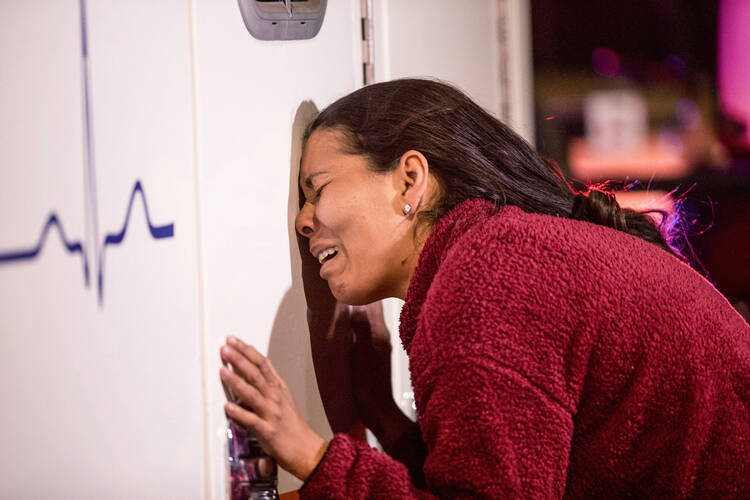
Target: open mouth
327 255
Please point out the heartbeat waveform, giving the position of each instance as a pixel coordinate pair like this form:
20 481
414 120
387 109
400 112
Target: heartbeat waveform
91 211
78 247
71 247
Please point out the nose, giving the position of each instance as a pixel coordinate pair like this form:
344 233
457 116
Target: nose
304 221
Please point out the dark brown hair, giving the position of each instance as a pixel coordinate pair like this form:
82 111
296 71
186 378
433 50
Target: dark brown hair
471 154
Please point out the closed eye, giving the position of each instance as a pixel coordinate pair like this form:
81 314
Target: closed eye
318 192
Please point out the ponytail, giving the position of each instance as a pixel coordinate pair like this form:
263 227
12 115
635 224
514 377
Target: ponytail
600 207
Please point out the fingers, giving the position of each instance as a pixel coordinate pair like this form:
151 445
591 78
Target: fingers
262 363
245 368
244 417
252 365
227 391
246 350
270 373
246 393
272 417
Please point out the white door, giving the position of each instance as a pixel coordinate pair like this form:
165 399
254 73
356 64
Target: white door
254 98
100 377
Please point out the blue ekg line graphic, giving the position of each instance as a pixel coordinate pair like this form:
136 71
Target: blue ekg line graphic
157 232
77 247
92 215
70 246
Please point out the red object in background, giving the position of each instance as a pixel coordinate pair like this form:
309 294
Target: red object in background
733 72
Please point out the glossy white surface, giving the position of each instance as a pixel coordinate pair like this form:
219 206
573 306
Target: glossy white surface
249 97
98 402
452 40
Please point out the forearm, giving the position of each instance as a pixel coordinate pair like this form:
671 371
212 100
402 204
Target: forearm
352 469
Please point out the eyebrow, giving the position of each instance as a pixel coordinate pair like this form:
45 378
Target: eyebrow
308 181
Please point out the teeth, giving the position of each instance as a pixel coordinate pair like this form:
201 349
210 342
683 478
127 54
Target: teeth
325 253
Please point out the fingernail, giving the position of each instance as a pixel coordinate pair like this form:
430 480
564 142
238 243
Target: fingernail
223 373
233 340
229 407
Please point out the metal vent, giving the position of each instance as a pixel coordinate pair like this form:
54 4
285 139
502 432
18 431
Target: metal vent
283 19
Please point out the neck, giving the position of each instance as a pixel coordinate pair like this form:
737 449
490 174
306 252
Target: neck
409 264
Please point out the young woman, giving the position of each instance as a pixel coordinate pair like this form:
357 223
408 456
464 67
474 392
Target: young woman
558 344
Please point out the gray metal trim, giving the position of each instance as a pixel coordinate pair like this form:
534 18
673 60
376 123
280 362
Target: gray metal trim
283 20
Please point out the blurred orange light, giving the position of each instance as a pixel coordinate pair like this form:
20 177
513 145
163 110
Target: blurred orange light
655 157
645 200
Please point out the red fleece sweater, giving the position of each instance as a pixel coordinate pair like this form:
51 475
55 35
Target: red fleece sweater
552 357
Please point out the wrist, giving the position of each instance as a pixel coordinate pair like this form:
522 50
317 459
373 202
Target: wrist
310 462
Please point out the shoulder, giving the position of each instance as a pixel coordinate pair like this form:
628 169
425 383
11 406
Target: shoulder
517 251
524 251
513 290
520 273
541 294
544 261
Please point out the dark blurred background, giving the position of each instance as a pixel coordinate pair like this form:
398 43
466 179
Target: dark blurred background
655 95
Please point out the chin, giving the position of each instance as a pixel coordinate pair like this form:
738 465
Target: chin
347 295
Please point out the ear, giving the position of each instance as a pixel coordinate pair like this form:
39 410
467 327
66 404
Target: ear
412 179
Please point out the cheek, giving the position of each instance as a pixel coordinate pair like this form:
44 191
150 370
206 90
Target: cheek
327 214
341 214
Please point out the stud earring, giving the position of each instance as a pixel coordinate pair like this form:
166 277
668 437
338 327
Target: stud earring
407 209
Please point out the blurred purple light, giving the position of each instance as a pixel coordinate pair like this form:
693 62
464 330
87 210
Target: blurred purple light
605 61
734 61
676 65
688 114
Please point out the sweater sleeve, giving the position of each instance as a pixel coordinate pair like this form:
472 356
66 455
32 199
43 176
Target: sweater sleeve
351 469
490 432
493 434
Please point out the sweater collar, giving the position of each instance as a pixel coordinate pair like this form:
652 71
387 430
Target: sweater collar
444 235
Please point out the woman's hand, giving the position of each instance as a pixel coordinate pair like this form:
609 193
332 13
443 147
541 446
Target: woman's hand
268 409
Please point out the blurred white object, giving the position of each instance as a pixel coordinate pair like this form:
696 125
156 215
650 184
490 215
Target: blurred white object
615 121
